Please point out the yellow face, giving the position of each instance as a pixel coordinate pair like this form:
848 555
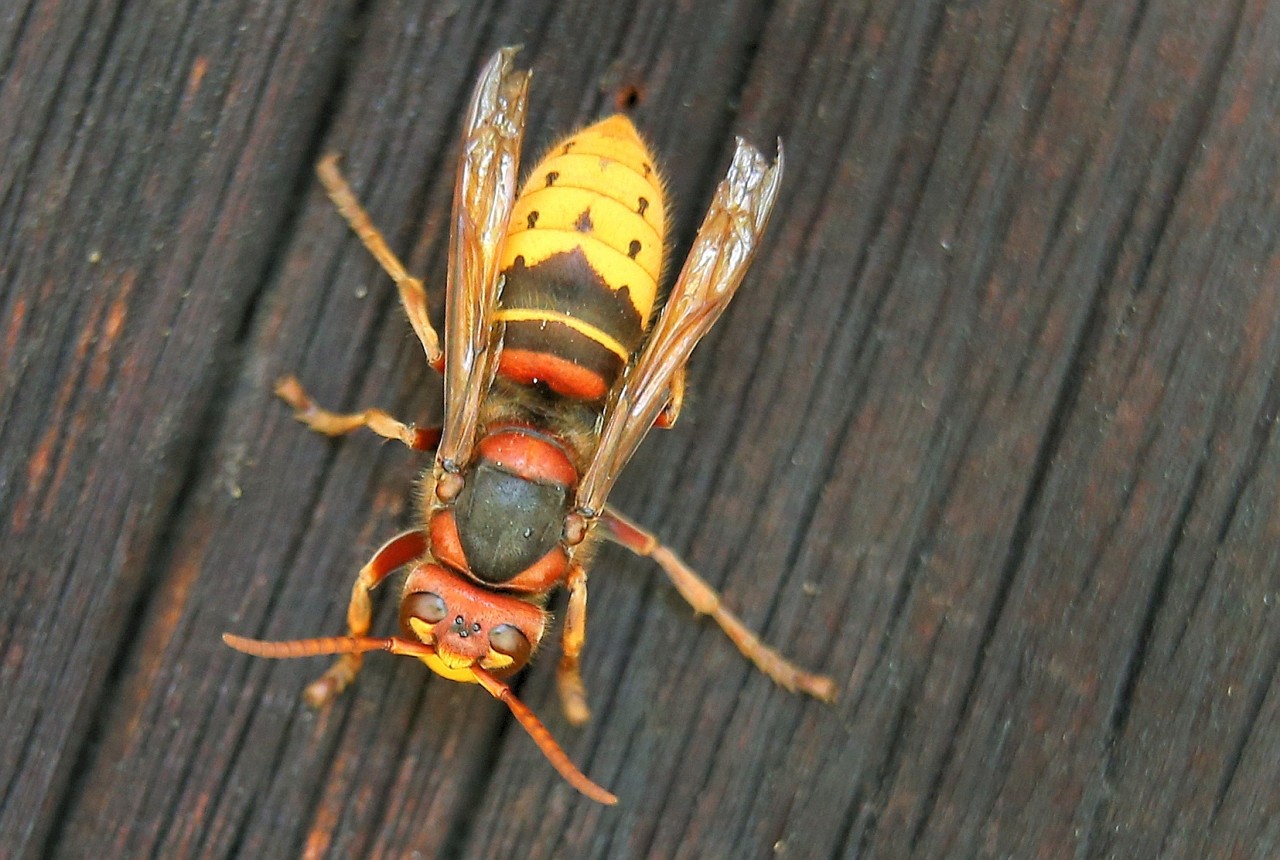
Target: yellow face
447 664
438 666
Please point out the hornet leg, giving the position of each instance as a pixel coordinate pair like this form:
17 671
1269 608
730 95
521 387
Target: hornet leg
397 552
705 601
290 390
412 294
573 695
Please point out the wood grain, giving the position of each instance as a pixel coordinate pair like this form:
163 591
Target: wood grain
988 435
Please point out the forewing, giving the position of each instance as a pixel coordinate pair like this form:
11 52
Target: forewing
483 195
721 253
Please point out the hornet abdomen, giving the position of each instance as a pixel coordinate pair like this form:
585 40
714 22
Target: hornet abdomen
582 261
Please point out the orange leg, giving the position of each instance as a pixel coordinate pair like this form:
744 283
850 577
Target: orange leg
573 694
412 295
706 601
397 552
290 390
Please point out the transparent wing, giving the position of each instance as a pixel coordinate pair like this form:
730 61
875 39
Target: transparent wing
721 253
482 198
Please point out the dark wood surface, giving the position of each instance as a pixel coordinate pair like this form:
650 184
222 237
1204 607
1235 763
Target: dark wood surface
989 435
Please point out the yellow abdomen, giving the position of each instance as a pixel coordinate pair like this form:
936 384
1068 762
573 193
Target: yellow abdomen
582 261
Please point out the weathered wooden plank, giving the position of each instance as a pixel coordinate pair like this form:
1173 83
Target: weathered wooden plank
241 758
1173 366
140 203
987 436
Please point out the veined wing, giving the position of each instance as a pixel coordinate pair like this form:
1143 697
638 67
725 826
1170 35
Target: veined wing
721 253
483 195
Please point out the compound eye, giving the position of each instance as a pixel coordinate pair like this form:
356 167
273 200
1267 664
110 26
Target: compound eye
507 639
423 605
